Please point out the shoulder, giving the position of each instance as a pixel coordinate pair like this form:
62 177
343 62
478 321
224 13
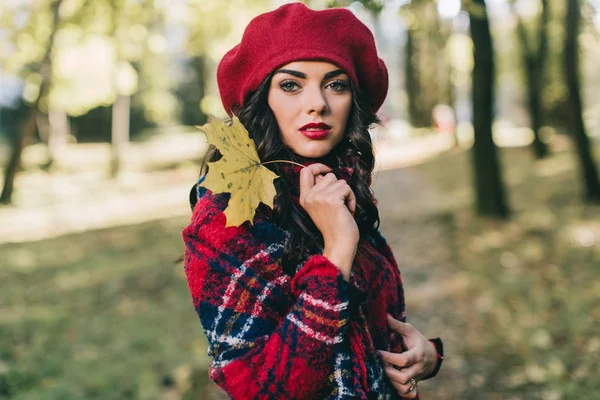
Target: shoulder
208 225
205 204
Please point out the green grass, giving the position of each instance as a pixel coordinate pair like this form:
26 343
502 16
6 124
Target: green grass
530 306
107 314
102 315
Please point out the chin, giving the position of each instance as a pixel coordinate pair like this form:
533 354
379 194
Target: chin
312 152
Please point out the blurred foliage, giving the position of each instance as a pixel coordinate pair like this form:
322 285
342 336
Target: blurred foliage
374 6
109 47
164 55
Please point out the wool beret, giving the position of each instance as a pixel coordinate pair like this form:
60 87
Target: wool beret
294 32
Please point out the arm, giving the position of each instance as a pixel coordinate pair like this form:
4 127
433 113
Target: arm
260 348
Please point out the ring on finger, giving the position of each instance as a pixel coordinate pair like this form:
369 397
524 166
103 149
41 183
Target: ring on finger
413 384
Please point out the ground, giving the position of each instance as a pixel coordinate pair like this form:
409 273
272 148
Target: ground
106 314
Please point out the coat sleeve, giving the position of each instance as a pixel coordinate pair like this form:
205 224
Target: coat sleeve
270 336
399 309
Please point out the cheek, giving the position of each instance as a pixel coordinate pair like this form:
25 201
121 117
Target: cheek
280 107
343 111
281 111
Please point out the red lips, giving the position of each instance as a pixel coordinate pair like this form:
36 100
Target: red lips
315 130
313 125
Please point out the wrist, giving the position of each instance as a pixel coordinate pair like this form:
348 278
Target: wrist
341 258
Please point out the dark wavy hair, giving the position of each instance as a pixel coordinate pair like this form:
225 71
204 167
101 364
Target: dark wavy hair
305 238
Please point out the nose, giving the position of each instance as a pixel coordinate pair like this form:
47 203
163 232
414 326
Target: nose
316 103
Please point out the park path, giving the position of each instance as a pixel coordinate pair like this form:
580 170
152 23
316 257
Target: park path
419 231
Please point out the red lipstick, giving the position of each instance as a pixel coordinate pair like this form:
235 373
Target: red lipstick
315 130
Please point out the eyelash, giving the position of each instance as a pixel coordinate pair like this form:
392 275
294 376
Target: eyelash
283 85
342 85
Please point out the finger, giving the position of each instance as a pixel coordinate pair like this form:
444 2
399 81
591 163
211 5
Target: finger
317 169
326 183
400 376
397 359
400 381
400 327
338 187
351 201
307 176
403 390
342 189
405 359
404 375
413 394
410 357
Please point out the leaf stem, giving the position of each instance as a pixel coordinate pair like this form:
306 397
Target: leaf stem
282 161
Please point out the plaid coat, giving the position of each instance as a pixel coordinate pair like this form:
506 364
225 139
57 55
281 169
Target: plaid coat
308 336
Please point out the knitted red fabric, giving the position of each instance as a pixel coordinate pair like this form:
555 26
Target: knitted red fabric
293 32
274 335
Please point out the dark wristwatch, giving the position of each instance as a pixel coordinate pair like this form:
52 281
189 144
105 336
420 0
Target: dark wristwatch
439 348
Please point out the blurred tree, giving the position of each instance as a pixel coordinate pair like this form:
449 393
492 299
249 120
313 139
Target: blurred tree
426 70
121 106
448 73
489 186
191 90
374 6
96 47
572 72
44 71
425 42
554 91
411 78
534 62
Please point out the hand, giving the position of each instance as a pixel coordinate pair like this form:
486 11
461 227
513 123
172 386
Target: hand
416 363
330 203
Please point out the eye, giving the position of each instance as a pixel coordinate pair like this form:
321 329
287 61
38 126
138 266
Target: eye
288 86
338 85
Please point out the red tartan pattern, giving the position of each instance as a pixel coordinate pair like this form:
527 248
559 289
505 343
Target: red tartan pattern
280 337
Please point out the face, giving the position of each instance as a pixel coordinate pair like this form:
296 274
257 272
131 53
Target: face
311 101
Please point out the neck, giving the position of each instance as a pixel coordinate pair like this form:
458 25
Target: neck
330 159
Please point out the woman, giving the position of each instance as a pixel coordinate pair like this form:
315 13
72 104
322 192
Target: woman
307 301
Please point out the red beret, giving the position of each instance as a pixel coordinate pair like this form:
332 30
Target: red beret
293 32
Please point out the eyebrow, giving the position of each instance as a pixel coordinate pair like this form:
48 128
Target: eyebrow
302 75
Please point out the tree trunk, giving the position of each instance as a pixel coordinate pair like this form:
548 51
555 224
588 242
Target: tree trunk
14 161
29 126
57 134
119 132
534 67
421 54
489 186
449 74
428 55
571 65
411 78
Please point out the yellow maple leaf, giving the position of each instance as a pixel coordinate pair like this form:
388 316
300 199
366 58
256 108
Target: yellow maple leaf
239 172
